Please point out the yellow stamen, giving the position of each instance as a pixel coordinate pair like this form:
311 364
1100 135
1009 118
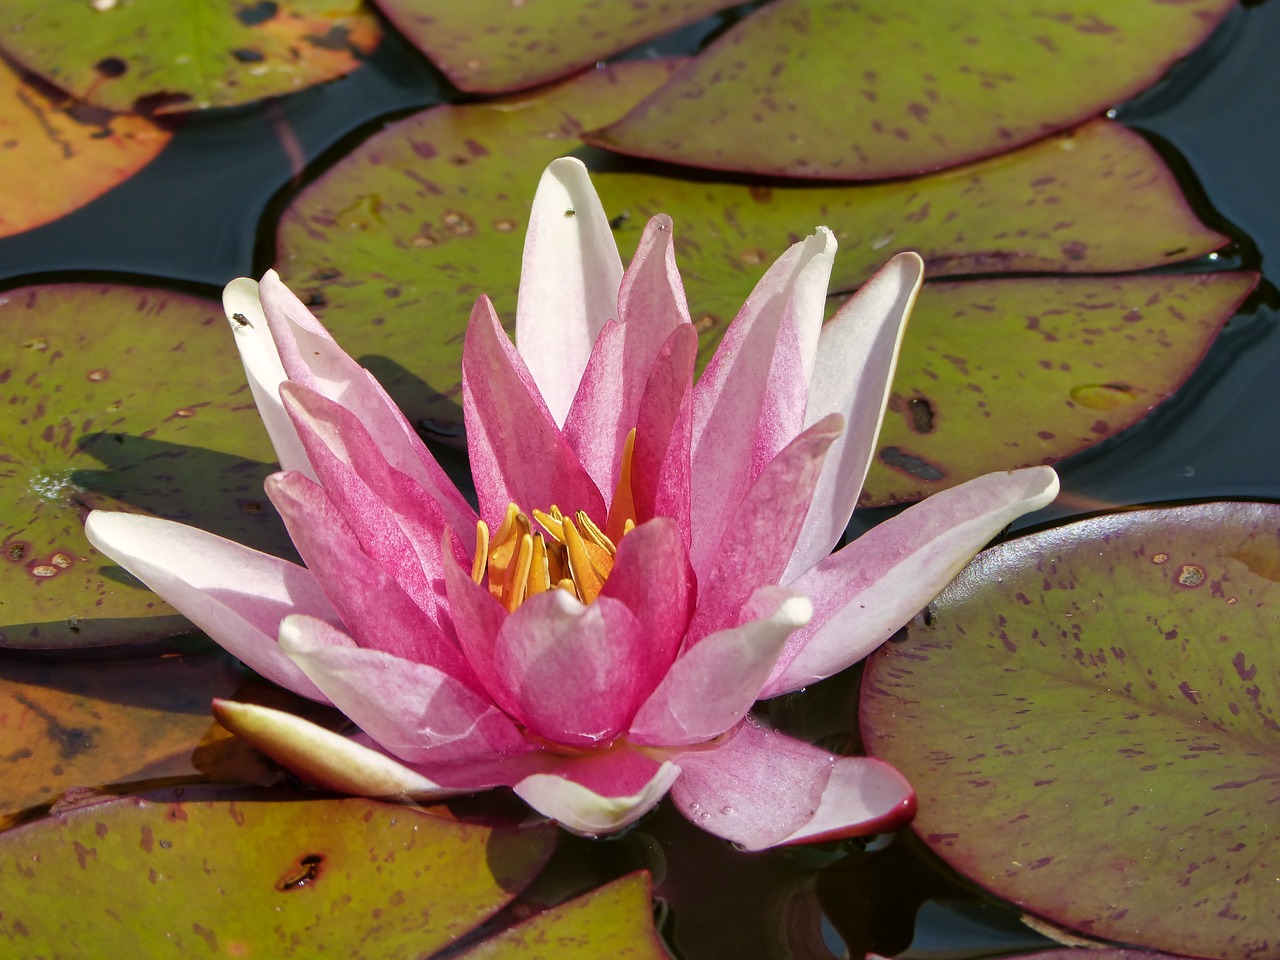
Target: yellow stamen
482 551
539 578
567 585
520 575
595 533
585 562
623 508
550 523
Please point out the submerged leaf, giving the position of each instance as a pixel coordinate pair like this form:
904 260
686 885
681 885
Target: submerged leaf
152 56
876 89
117 397
59 154
1089 715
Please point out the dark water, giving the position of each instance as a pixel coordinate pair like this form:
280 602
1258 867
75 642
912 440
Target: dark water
204 212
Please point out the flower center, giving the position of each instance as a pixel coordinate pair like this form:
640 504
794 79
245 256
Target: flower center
568 553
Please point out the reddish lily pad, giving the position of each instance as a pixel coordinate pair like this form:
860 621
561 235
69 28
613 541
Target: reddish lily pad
121 398
1090 717
395 242
492 46
96 723
152 56
1049 366
615 920
923 86
255 877
59 155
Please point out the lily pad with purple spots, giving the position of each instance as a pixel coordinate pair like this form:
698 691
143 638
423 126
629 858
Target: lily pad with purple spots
831 89
1091 718
492 46
1008 373
255 876
121 398
151 56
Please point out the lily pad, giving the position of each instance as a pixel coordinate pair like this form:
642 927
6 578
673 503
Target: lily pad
59 154
922 86
1008 373
492 46
1089 715
255 877
156 56
96 723
615 920
121 398
395 242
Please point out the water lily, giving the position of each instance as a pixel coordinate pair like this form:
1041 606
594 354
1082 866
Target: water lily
649 556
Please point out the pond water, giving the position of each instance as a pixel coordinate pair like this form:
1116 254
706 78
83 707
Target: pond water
205 211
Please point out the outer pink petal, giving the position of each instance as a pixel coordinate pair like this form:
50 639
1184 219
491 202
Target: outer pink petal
857 354
596 426
750 400
714 683
477 618
415 711
601 792
397 524
660 462
263 369
652 577
759 540
236 595
312 358
376 611
568 282
573 671
651 302
866 591
760 788
517 452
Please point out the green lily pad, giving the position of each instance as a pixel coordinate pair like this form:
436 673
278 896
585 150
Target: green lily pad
615 920
255 877
59 154
395 242
98 723
1089 716
922 86
492 46
119 398
1008 373
157 56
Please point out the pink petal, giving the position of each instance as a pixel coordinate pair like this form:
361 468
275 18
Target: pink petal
864 592
857 354
652 577
325 759
415 711
312 359
568 282
596 427
396 523
750 400
660 462
760 788
477 618
379 614
573 671
518 454
714 683
235 595
762 534
599 792
263 369
651 302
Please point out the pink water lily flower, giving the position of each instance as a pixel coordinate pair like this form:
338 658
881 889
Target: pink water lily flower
650 556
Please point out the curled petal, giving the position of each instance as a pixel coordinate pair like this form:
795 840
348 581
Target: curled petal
413 710
263 369
714 683
574 672
867 590
760 788
857 355
568 282
236 595
599 793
